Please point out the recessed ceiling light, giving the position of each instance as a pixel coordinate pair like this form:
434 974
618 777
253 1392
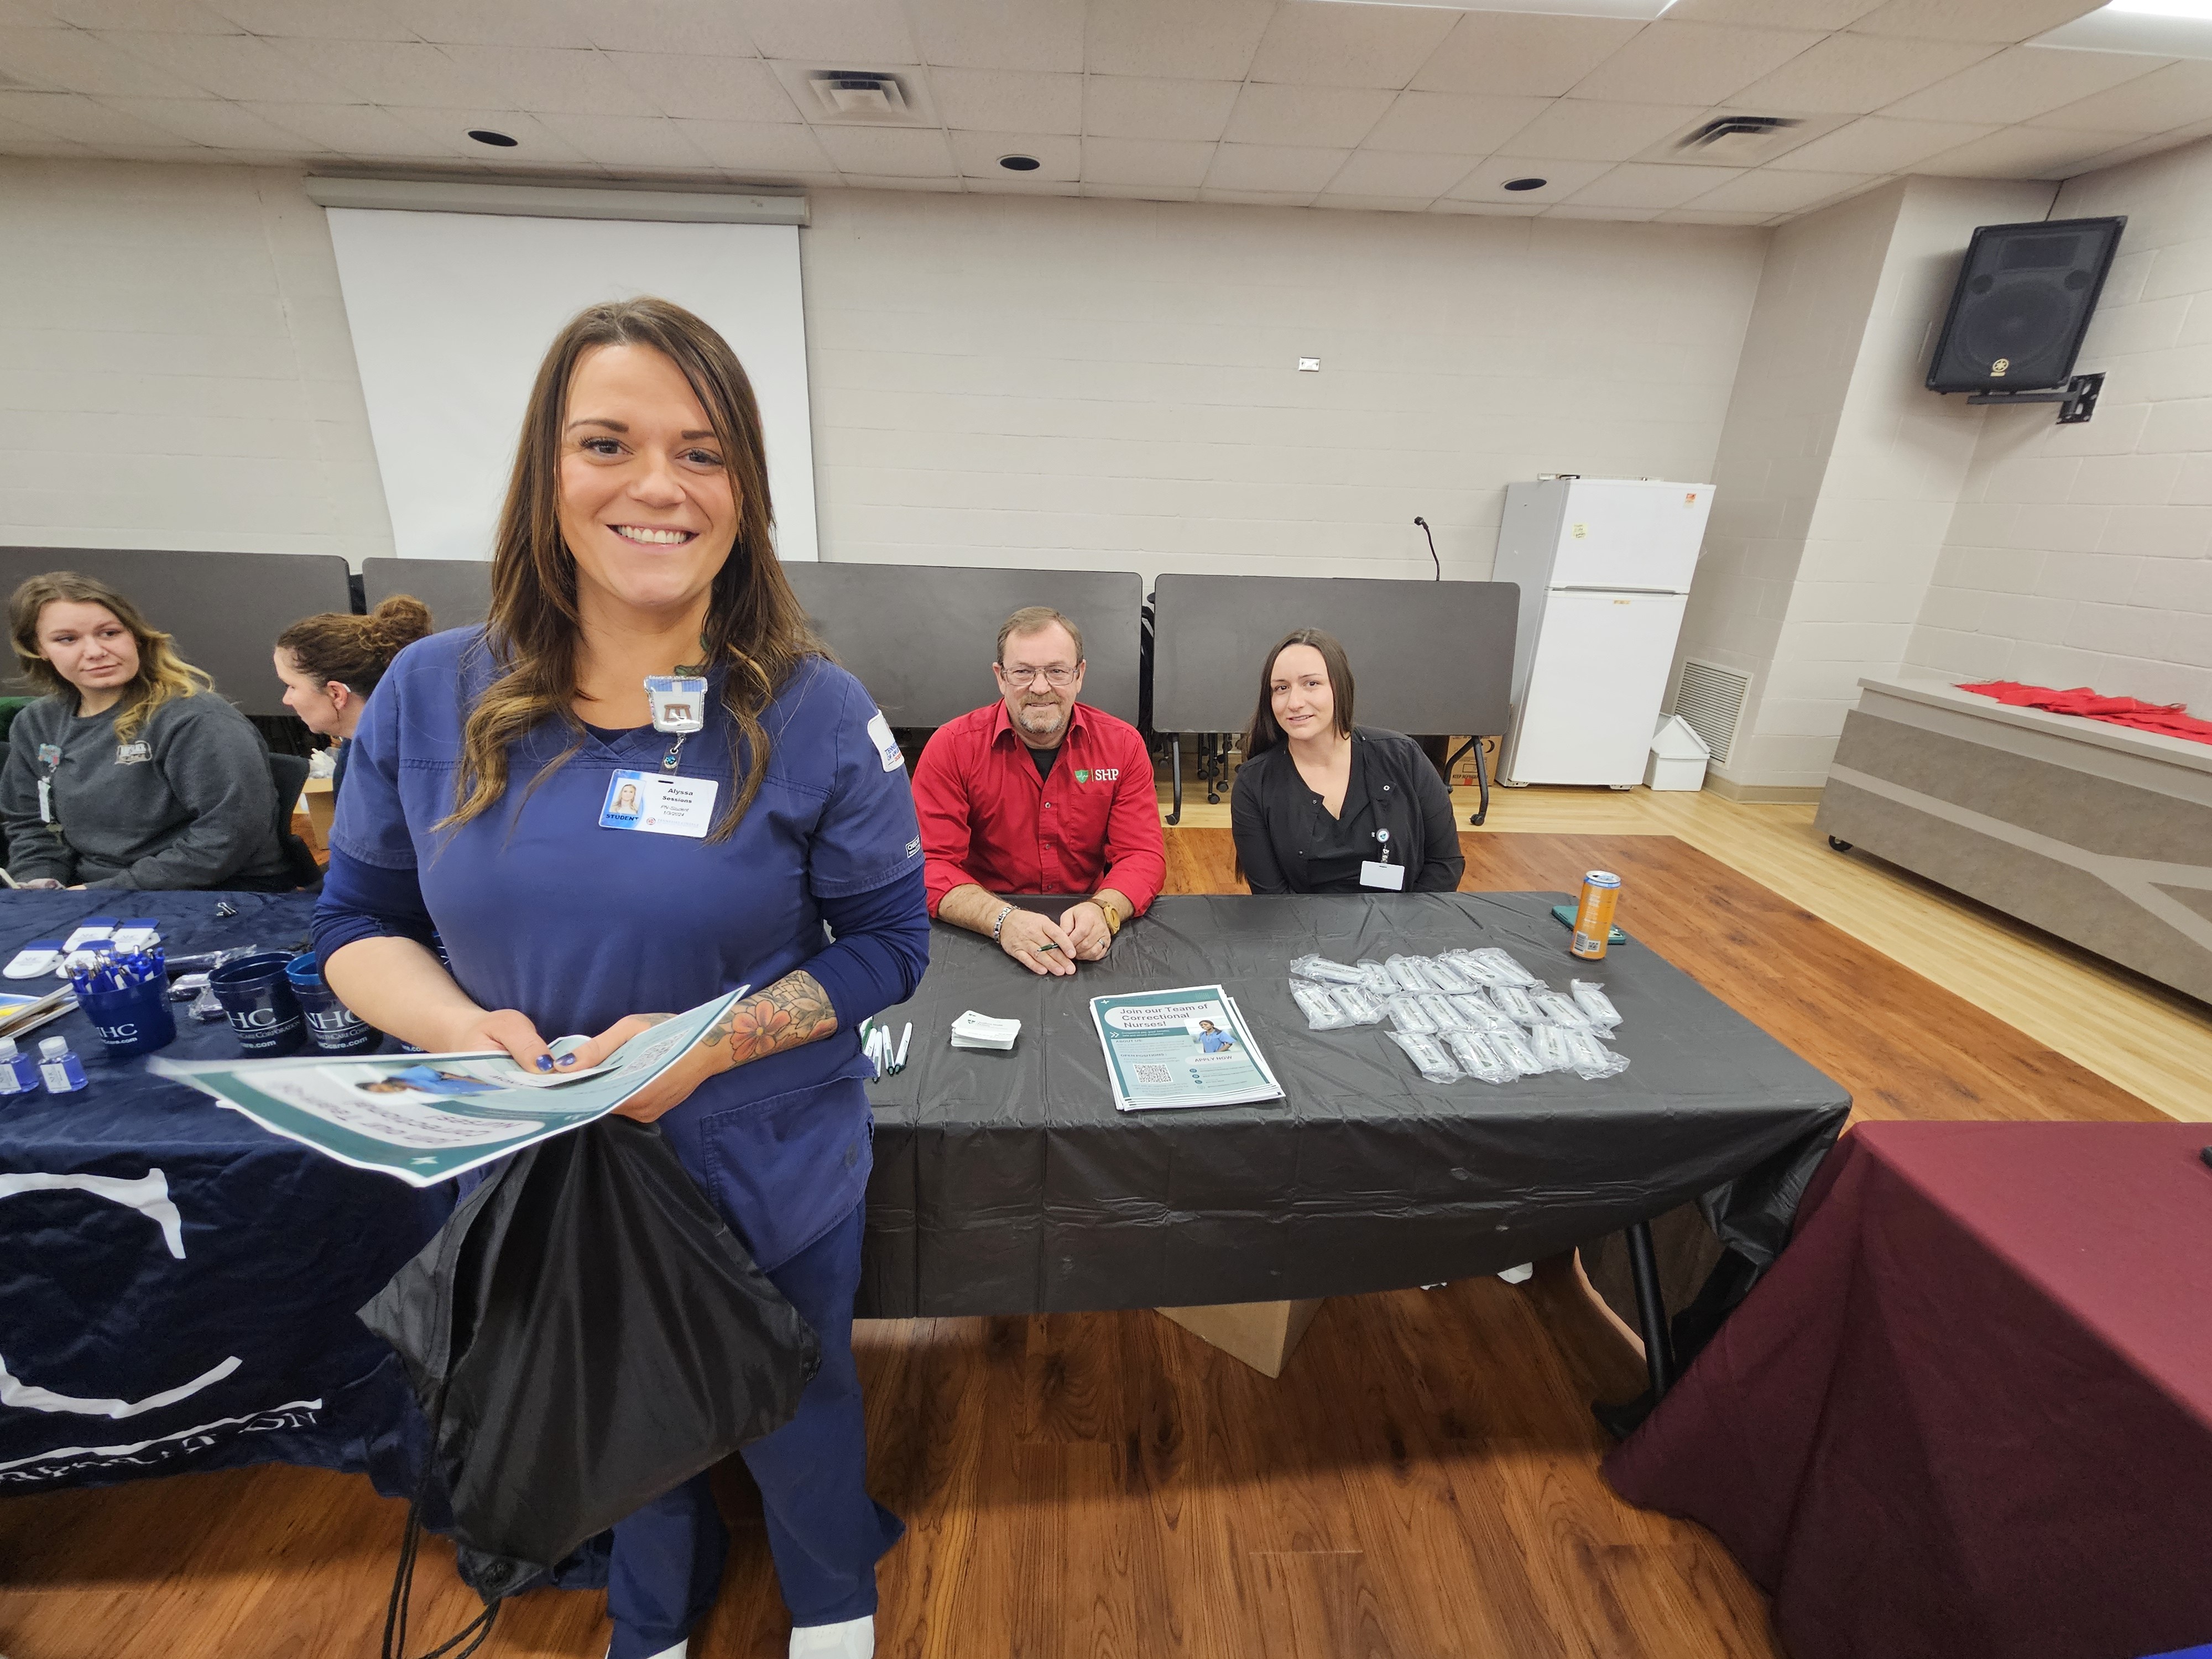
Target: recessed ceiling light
2156 29
1019 163
1526 183
1644 10
496 140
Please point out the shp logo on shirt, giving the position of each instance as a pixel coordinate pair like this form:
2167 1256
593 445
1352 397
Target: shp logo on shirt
1103 775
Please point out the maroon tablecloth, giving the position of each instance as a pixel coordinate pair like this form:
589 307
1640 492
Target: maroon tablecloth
1969 1411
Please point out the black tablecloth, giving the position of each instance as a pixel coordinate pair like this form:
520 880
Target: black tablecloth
1009 1183
254 1321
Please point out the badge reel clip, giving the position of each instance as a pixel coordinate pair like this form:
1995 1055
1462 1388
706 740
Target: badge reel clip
679 709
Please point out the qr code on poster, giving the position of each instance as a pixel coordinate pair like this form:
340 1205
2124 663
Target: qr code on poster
1154 1074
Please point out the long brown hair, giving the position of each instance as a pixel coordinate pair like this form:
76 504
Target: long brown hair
355 651
1264 734
755 628
162 674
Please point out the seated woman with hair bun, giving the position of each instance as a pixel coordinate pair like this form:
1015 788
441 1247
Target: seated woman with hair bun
131 772
332 661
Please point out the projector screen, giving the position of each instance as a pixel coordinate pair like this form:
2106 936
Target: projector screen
451 313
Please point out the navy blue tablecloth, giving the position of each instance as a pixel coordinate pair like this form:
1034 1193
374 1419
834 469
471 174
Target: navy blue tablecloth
177 1284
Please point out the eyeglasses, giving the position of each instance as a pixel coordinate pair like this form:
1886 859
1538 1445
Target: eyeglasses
1057 678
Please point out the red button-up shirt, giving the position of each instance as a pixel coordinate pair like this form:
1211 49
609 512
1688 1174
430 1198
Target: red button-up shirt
986 817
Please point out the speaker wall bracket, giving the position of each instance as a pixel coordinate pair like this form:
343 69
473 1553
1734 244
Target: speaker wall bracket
2076 399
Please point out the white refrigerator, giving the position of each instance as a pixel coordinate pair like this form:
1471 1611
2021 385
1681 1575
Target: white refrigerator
1604 566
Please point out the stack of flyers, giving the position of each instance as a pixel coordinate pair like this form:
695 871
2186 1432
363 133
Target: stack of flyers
1187 1047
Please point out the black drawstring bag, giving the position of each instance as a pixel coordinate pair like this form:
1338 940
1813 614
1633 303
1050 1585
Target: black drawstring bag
584 1334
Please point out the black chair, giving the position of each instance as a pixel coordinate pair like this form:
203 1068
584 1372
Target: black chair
289 774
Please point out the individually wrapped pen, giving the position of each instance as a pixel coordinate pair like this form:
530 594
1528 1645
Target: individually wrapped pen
1590 997
1427 1054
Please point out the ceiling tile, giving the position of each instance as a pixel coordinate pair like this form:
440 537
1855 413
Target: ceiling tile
494 22
400 75
360 130
1569 210
1139 193
1648 184
868 33
2179 95
568 81
1146 106
1312 44
2152 146
232 66
1272 167
1290 198
627 141
1373 204
1309 116
741 90
999 182
758 147
1145 162
1174 38
1488 209
171 16
1519 55
213 123
1014 35
2020 82
1059 157
1764 192
316 20
1383 172
1563 177
1999 21
894 152
536 145
18 140
1853 73
78 117
1584 130
1774 14
1691 63
1877 144
705 26
948 184
2023 153
70 60
1708 216
1008 100
1452 123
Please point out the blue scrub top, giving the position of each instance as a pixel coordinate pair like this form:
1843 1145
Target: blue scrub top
541 910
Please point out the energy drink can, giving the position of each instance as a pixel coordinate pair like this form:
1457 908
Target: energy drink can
1594 914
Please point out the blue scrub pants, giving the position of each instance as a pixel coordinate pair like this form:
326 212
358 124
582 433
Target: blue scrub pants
824 1531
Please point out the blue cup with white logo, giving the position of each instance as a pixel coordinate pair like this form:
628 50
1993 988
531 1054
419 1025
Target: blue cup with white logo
332 1027
257 998
136 1020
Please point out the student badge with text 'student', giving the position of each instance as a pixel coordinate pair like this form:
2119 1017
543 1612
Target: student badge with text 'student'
659 804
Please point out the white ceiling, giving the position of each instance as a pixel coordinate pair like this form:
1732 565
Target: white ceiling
1292 102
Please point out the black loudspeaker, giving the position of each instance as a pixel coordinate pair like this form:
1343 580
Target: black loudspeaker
2025 297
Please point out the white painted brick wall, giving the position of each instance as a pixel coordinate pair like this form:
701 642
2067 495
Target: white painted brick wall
175 369
1010 380
2082 555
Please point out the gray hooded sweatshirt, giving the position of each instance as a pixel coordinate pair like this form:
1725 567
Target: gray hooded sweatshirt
187 803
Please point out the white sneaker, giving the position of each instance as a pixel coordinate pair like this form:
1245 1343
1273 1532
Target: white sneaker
853 1639
681 1650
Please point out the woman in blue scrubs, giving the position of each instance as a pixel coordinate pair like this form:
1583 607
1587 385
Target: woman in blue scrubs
635 544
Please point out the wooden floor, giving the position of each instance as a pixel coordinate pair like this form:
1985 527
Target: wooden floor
1422 1482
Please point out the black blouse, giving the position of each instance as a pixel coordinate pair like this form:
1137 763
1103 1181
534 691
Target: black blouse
1288 843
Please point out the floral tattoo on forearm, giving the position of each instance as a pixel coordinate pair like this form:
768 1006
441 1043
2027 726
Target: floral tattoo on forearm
793 1011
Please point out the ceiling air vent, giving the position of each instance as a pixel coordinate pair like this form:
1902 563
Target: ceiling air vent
868 97
1732 132
1709 699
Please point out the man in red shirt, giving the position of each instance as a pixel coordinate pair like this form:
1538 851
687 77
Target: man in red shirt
1037 793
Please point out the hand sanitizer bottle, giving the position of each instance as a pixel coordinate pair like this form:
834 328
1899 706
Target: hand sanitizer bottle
19 1072
63 1071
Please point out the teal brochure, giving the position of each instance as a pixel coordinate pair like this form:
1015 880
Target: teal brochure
1186 1048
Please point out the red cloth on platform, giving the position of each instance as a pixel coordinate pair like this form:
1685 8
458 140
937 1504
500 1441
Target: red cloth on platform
1968 1413
2171 720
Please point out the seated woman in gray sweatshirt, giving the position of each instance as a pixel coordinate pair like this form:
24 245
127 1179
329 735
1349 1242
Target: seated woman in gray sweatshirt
132 773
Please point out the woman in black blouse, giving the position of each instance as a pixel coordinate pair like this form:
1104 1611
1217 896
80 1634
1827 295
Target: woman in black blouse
1322 805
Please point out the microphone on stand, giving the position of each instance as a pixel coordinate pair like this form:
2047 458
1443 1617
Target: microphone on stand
1430 534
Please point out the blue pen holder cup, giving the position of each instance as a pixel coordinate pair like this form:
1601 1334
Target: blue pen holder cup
135 1021
332 1027
255 996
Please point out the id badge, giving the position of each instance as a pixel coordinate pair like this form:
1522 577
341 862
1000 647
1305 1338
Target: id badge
659 804
46 800
1374 873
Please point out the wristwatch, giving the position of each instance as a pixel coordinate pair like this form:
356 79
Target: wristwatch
1113 917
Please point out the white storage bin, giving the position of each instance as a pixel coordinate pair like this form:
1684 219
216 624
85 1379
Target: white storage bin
1678 756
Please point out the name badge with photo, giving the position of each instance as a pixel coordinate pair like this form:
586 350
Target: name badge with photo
659 804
